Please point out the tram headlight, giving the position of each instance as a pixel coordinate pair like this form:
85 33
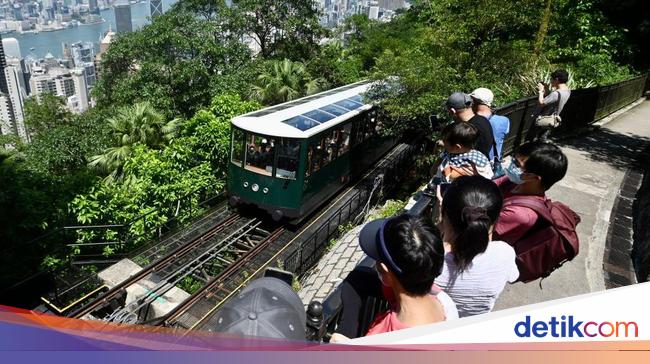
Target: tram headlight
255 187
265 190
245 184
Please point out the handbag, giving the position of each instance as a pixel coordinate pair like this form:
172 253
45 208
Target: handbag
550 121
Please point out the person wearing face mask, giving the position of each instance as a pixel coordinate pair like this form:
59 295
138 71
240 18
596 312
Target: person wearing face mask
535 167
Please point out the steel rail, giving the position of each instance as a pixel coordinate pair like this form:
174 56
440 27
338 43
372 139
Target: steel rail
129 313
217 282
153 267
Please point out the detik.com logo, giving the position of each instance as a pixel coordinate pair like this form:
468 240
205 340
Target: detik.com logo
568 326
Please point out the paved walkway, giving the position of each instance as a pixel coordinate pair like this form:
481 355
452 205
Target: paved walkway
332 268
598 162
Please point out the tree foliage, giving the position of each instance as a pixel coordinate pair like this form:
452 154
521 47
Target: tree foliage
284 81
45 112
140 123
155 179
438 47
171 63
286 29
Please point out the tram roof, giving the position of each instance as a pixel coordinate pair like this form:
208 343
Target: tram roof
309 115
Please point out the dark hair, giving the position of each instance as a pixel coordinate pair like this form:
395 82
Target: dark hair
416 248
464 134
561 75
471 205
545 160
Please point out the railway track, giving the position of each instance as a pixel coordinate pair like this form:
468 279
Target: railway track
179 253
220 261
188 313
198 314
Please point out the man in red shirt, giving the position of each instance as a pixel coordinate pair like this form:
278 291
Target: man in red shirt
408 257
535 167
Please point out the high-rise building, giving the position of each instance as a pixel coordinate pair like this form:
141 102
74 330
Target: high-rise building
392 4
11 48
18 11
16 95
82 55
11 99
123 21
92 6
3 65
373 10
78 102
56 80
155 6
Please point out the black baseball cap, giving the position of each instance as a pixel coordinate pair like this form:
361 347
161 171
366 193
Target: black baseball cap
373 243
267 307
458 101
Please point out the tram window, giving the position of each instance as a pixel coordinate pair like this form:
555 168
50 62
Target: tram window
371 122
356 98
380 122
260 152
348 104
317 157
334 110
288 156
344 139
237 152
320 116
310 156
301 122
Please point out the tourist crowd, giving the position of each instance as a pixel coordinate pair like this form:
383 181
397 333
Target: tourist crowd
495 225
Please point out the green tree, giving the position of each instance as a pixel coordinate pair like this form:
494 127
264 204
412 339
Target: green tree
139 123
177 63
156 178
337 65
45 112
284 81
287 29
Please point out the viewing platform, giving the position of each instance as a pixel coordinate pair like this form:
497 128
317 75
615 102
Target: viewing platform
606 165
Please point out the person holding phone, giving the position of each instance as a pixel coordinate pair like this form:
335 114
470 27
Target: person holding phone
551 102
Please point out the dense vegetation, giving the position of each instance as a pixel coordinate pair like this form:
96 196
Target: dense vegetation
168 91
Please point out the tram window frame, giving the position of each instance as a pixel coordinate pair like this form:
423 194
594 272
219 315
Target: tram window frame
242 147
291 175
255 140
345 139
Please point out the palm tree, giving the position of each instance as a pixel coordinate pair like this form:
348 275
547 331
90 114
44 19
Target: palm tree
140 123
285 81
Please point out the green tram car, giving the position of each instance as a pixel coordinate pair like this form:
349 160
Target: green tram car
291 158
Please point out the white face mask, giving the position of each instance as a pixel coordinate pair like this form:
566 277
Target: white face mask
514 173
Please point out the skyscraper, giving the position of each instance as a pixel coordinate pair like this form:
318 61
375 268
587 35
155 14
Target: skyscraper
3 64
123 21
11 99
11 48
92 6
79 101
155 6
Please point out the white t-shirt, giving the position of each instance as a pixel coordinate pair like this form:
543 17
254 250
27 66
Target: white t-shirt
476 289
451 313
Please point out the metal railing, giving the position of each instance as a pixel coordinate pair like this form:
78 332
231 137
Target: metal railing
584 107
90 253
310 250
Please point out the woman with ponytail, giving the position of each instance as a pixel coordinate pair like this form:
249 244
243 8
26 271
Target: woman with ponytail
476 268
